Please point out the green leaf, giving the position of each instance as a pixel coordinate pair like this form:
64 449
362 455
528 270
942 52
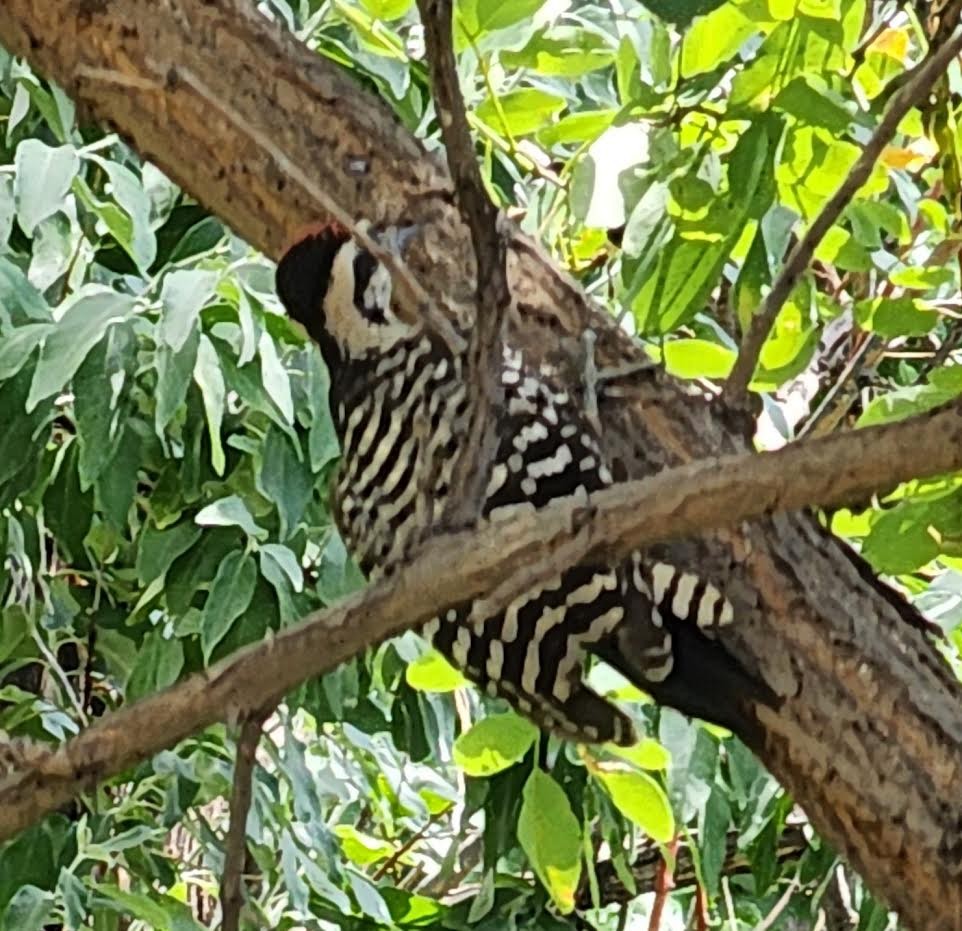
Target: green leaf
713 839
520 112
477 17
230 512
640 799
17 347
13 629
157 912
275 378
73 894
280 567
182 296
210 380
565 51
44 176
681 12
159 663
361 848
431 672
86 318
945 384
810 105
286 561
921 279
901 541
101 387
174 372
895 316
694 760
646 754
28 910
698 358
20 301
286 479
387 10
157 549
129 218
577 127
8 209
494 743
116 486
230 594
550 836
715 38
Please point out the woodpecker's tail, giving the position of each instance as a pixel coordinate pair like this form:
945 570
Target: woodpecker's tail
705 680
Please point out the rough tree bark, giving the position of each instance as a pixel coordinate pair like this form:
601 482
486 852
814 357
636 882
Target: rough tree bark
268 136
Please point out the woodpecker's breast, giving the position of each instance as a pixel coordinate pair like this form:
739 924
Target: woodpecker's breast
398 420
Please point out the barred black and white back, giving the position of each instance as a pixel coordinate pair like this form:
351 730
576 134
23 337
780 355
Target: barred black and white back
399 405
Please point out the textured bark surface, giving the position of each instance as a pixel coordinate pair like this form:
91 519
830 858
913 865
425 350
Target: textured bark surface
869 737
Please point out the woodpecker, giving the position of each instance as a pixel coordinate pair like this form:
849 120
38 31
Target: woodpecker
400 408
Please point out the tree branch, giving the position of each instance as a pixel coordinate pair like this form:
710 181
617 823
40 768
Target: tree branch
917 85
645 867
458 567
235 847
483 359
869 741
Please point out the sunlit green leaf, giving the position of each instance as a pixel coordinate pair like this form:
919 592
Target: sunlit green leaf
698 358
640 799
551 837
494 743
431 672
520 112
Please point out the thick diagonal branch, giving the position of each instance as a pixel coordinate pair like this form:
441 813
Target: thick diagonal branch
870 742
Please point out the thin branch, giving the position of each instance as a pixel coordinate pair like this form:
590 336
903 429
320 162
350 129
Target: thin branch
395 857
913 93
235 852
769 920
492 296
455 568
664 883
644 868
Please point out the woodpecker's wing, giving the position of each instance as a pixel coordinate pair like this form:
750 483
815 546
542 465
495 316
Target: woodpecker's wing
533 653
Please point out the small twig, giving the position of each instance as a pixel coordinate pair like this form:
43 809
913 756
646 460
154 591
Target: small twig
921 79
664 883
953 338
395 857
647 862
838 401
769 920
701 908
235 852
729 904
493 297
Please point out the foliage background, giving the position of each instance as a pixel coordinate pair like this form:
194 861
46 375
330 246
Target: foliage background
166 447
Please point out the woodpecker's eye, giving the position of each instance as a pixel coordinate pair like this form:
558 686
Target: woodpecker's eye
372 288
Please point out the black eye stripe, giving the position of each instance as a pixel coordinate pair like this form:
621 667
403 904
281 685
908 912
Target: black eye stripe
364 267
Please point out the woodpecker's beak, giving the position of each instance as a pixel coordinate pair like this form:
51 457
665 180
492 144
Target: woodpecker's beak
396 238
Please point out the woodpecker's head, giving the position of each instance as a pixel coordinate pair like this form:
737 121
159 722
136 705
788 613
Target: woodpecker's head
341 295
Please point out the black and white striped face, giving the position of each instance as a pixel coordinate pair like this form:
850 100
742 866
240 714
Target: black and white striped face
342 296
